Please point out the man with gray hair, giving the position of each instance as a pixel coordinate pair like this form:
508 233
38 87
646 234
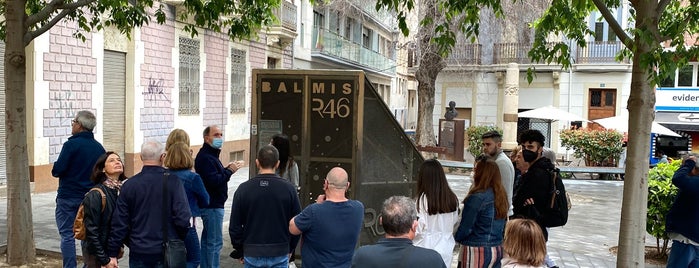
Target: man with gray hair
138 214
73 168
399 220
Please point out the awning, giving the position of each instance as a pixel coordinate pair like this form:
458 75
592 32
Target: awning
687 121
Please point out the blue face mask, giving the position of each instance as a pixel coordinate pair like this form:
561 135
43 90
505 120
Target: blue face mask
217 143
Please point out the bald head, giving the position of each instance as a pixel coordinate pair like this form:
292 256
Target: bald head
337 178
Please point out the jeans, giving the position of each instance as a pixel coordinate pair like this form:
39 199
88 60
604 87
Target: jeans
267 262
136 263
211 237
66 210
683 255
191 243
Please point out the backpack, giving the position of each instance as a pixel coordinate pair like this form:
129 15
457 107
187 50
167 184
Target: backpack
557 210
78 225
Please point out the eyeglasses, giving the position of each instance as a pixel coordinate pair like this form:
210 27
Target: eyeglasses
73 121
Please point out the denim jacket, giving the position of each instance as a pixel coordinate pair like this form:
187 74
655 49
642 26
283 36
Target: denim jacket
478 227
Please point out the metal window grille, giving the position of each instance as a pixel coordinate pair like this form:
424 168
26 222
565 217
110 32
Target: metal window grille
238 68
189 76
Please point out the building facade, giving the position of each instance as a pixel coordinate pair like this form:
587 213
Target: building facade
142 88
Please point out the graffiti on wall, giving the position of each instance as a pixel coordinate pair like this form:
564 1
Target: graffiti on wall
67 107
155 90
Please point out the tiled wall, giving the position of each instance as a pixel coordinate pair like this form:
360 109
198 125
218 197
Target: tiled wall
157 79
216 48
70 71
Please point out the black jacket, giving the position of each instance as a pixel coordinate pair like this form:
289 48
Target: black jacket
536 184
97 222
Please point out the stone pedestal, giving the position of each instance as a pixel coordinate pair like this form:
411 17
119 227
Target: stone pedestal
451 137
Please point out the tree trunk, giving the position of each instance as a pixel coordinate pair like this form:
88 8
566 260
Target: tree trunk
20 229
632 229
430 64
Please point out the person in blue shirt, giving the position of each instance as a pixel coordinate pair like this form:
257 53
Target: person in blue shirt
325 243
215 177
138 216
682 223
73 169
399 221
180 162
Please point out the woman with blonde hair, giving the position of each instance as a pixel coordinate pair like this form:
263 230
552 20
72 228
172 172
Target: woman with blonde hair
524 245
437 211
483 218
180 162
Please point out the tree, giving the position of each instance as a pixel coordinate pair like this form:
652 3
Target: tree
654 23
27 19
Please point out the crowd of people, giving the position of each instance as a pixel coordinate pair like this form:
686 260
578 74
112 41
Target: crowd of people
502 222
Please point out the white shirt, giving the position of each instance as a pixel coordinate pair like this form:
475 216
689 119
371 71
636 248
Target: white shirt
436 231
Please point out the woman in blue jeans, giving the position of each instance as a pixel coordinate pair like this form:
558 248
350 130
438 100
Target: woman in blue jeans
482 223
179 160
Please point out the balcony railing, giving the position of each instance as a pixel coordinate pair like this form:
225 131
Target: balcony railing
504 53
465 55
334 45
286 15
599 52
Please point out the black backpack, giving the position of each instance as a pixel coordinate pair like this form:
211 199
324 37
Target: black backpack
557 210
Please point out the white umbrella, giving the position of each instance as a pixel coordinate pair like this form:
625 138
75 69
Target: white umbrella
550 113
621 123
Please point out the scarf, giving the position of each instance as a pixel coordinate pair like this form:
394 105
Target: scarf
112 184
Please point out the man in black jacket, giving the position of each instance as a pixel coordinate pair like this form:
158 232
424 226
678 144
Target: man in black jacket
262 209
533 194
138 214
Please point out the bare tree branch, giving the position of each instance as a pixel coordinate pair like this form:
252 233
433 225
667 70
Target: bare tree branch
57 4
625 38
76 4
44 13
29 36
52 7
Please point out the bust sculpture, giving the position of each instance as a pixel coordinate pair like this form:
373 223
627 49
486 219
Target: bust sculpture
451 111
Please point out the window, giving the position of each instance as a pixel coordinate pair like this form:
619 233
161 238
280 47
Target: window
237 156
318 20
189 76
348 28
684 77
272 63
366 37
599 31
602 98
611 36
238 80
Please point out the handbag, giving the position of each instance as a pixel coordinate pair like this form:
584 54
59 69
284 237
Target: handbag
174 251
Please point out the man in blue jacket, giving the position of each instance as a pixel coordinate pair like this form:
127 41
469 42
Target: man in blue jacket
262 209
215 177
138 216
73 168
682 223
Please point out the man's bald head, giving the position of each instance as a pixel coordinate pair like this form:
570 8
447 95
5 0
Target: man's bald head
337 178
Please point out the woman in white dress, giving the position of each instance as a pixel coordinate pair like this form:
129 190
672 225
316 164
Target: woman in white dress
437 211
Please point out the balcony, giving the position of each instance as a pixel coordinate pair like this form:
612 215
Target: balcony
332 45
504 53
284 29
599 52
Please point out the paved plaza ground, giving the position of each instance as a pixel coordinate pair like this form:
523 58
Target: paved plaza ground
592 228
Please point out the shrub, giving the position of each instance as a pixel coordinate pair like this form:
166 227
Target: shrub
597 147
474 134
661 195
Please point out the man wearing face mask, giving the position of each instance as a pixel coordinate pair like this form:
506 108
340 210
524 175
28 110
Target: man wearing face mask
533 193
215 177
